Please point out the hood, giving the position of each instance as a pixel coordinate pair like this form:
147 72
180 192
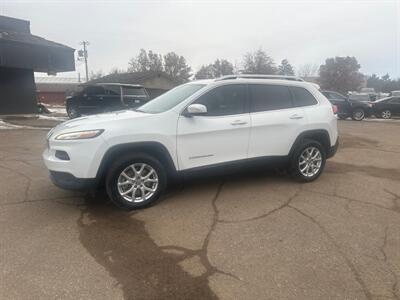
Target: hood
99 121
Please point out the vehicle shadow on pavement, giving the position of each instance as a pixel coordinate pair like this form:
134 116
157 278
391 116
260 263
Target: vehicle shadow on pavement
122 246
120 243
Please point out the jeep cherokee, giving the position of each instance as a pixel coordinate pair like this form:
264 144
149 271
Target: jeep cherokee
199 124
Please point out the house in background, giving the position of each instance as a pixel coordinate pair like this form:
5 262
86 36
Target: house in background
22 54
156 83
53 90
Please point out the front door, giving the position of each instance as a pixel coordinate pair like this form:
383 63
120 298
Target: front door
221 135
91 100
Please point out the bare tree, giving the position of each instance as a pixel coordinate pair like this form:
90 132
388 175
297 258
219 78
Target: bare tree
308 70
96 75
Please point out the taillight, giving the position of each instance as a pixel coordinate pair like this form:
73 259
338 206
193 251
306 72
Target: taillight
334 109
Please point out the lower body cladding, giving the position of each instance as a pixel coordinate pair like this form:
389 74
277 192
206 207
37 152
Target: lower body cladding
68 181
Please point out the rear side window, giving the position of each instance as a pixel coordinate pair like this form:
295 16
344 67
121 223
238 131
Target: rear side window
302 97
269 97
134 91
225 100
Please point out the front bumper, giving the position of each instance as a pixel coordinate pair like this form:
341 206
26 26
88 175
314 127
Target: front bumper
70 182
332 151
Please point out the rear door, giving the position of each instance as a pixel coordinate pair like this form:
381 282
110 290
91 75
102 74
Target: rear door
112 101
221 135
90 101
394 105
276 121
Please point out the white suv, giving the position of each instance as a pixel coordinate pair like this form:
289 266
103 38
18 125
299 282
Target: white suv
200 124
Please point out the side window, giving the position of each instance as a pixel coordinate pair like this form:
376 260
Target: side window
395 101
94 90
302 97
335 97
113 90
269 97
225 100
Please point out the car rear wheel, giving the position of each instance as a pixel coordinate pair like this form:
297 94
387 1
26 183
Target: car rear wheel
135 181
308 161
73 111
386 114
358 114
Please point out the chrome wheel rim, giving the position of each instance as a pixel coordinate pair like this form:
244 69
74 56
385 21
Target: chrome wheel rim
386 114
359 115
137 182
310 161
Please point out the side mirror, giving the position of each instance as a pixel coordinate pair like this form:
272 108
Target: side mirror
195 109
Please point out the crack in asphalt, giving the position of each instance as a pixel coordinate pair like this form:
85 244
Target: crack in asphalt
396 199
389 266
350 200
28 187
347 260
202 252
285 204
141 268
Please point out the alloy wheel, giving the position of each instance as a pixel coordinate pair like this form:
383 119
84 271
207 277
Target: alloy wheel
310 161
137 182
386 114
358 115
72 112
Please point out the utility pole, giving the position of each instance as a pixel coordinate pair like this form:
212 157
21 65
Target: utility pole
84 54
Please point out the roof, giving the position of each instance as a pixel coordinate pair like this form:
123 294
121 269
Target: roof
26 38
56 84
57 80
260 76
131 77
21 49
117 84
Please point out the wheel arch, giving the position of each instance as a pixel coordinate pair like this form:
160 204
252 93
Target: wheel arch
319 135
155 149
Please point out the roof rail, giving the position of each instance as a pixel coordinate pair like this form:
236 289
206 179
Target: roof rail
260 76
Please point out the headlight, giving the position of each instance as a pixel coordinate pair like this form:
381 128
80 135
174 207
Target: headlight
79 135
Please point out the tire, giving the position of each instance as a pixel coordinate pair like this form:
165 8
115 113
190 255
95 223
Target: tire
358 114
386 114
73 111
139 197
299 161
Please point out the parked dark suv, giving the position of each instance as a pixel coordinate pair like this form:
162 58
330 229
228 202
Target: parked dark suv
105 97
387 107
355 109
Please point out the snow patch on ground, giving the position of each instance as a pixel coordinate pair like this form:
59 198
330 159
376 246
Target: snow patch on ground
55 118
6 126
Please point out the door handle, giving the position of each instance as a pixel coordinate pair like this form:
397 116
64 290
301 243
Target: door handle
296 116
238 122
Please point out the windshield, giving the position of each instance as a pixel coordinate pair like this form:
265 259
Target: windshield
170 99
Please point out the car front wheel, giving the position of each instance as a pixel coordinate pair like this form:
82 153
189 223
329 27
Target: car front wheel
386 114
135 181
308 161
358 114
73 111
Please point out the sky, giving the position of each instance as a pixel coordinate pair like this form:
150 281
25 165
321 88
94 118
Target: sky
301 31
